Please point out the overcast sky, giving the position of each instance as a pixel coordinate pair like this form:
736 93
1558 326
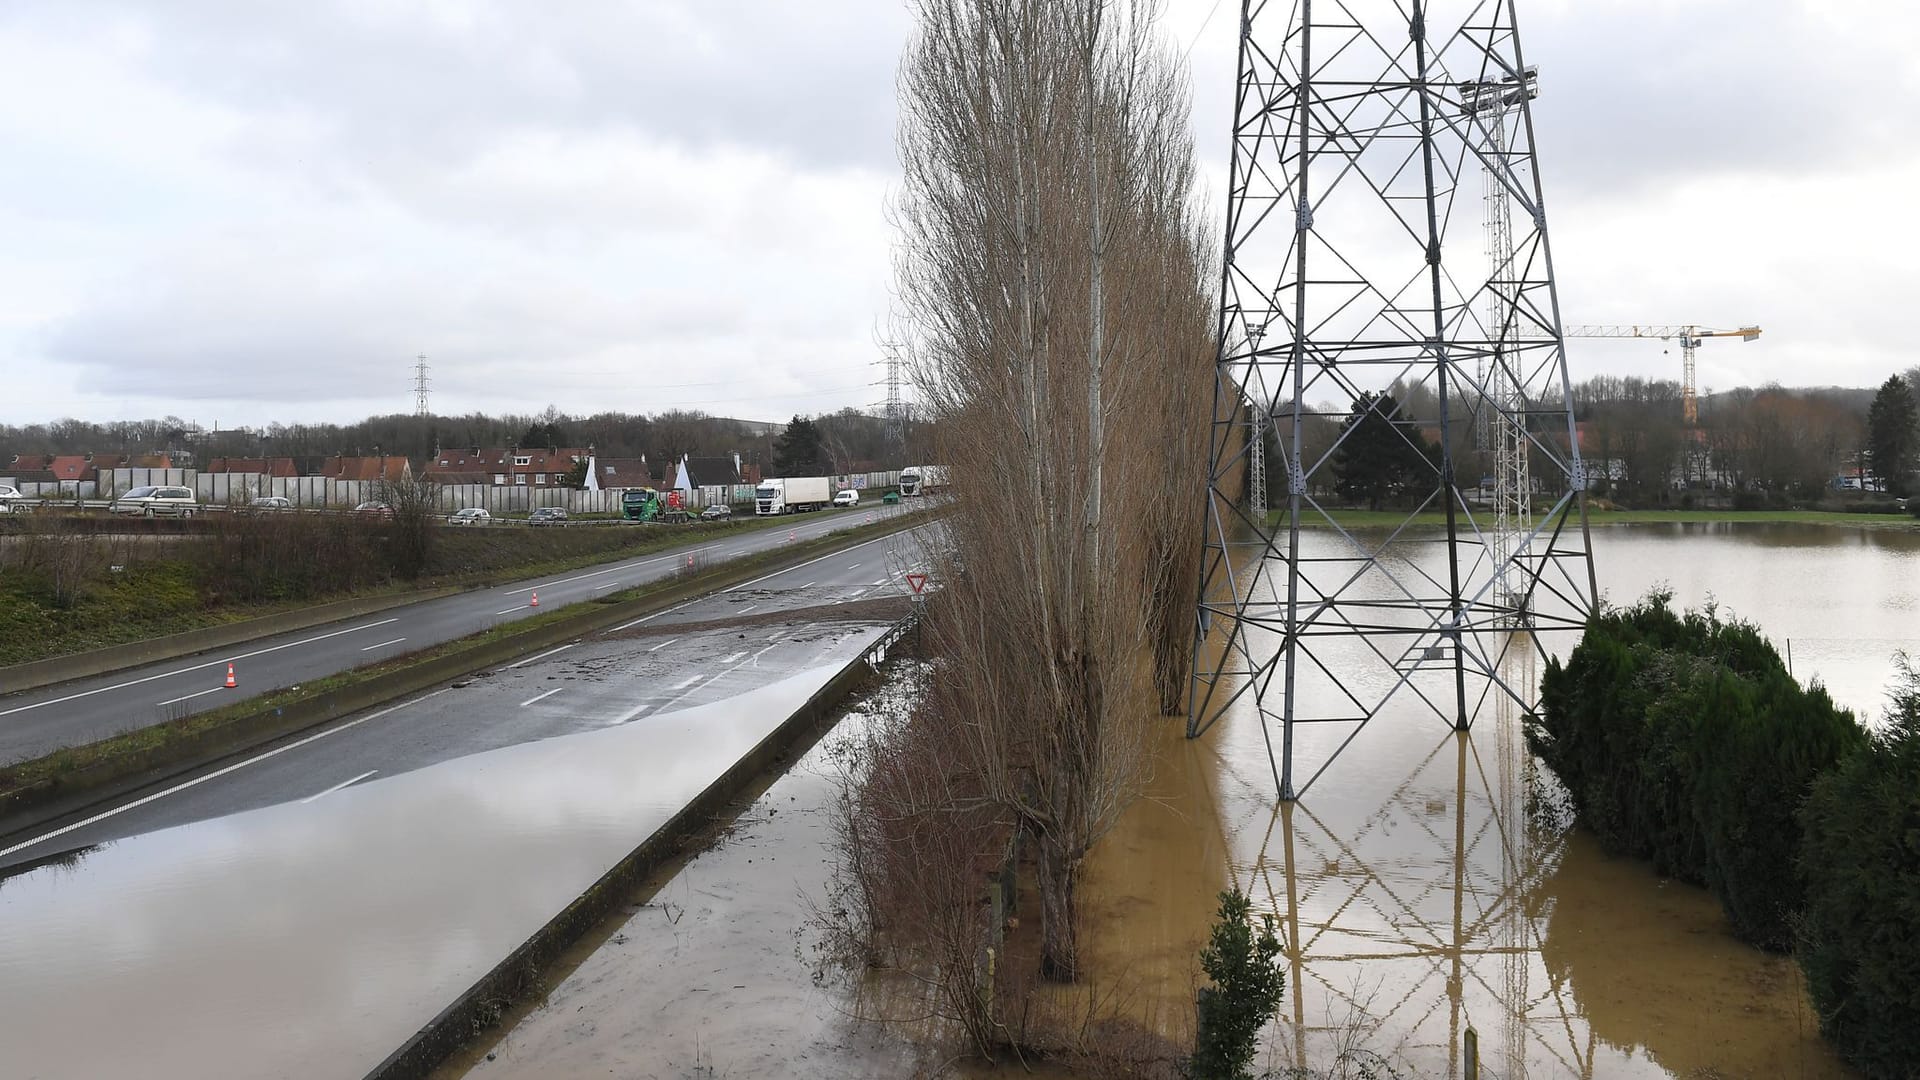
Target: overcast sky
242 212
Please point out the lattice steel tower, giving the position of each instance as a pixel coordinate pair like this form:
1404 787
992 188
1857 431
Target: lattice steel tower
1362 133
420 385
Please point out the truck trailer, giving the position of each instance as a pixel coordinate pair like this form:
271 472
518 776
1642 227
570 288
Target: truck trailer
922 479
792 494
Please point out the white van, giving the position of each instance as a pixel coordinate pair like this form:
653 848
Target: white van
151 501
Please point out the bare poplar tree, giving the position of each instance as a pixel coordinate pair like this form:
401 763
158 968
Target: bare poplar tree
1050 265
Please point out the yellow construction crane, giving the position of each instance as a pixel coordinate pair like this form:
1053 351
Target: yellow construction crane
1689 338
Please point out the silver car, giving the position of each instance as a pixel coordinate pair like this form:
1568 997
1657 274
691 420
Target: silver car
152 501
12 502
471 515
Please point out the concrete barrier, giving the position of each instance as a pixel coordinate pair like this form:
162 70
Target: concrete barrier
511 979
73 794
84 665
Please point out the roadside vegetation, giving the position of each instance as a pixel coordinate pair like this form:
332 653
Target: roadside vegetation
1683 739
66 589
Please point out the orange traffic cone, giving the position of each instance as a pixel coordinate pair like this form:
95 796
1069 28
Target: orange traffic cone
230 680
535 602
790 535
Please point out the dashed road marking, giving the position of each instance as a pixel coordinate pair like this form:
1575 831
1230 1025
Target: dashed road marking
542 656
338 786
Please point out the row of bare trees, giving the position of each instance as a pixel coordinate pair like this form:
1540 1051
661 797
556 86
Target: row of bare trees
1056 273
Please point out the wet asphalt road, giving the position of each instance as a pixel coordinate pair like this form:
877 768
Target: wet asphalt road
43 720
703 651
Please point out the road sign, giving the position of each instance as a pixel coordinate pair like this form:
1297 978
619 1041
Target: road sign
918 581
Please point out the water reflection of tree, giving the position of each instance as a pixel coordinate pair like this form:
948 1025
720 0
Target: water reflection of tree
1415 942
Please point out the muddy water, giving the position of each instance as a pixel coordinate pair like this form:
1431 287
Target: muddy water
312 940
1429 883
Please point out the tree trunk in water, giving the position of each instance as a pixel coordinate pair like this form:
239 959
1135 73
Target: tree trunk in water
1059 942
1172 635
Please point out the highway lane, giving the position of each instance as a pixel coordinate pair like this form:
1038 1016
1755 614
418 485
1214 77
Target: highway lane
702 652
43 720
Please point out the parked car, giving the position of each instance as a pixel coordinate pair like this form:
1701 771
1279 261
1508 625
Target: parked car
271 502
12 502
547 515
153 500
470 515
716 511
378 510
847 497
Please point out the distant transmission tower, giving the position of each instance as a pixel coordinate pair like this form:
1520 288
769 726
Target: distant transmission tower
1489 106
1359 129
896 414
420 384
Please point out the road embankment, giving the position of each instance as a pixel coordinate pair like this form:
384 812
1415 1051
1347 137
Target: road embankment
71 782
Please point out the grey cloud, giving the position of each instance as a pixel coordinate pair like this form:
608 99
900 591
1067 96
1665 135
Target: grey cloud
810 81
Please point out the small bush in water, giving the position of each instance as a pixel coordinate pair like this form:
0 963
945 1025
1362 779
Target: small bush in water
1245 994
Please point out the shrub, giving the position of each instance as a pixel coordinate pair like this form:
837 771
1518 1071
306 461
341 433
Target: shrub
1245 994
1682 739
1860 857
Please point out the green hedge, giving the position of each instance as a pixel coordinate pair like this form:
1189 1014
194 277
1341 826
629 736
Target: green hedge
1683 739
1860 940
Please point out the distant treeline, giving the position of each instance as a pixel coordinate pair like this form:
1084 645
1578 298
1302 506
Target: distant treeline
849 437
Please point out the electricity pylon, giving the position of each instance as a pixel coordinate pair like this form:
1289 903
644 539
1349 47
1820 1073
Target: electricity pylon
1358 131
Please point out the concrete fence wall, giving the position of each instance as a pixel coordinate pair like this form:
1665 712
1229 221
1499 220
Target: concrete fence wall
320 491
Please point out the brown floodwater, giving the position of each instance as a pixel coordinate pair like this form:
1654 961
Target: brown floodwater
1429 883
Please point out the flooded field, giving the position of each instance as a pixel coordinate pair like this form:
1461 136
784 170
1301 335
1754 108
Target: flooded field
1429 883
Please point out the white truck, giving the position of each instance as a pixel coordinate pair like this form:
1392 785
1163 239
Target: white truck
922 479
792 494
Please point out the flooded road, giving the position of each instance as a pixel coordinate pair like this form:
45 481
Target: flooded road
312 939
1429 882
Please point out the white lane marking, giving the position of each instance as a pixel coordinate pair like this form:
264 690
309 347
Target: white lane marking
663 644
810 562
196 667
195 694
731 659
383 644
809 584
541 656
608 585
746 609
511 610
855 566
215 775
877 584
755 661
686 682
338 786
778 636
744 584
595 574
541 697
655 615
